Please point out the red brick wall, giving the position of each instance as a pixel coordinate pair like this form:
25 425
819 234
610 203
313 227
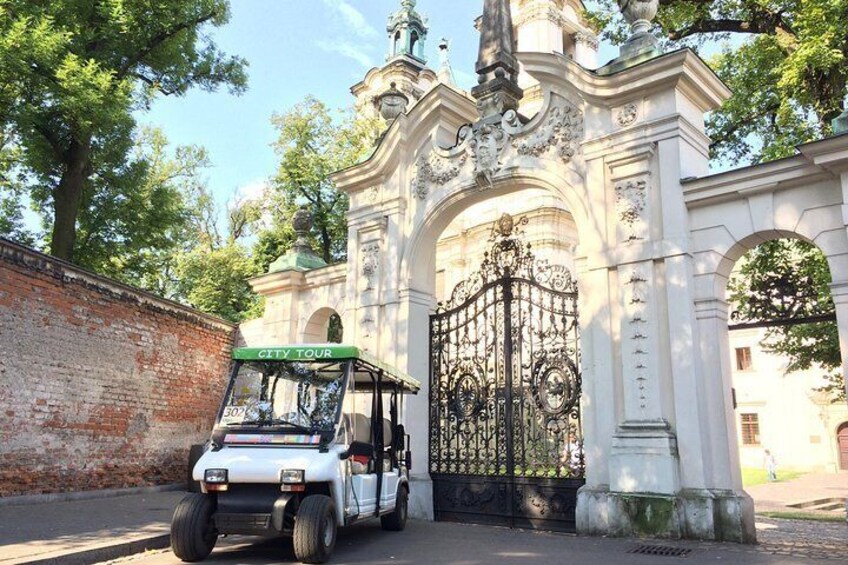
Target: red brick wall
101 385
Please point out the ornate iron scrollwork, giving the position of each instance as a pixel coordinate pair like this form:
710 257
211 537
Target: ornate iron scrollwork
505 385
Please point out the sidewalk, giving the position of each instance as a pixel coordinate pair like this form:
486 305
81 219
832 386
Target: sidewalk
776 497
86 531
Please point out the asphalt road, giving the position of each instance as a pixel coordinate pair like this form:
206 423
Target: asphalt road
426 542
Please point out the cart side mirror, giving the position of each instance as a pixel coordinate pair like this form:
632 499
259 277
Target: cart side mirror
359 449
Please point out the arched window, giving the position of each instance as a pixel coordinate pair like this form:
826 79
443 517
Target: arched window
413 41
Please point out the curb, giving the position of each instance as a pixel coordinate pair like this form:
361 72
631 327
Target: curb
27 499
109 552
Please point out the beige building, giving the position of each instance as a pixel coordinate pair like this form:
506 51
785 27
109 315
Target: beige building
782 412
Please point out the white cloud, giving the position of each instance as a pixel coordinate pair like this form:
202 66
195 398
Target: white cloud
251 191
353 18
349 50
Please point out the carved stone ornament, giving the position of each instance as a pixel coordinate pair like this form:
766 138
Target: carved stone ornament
372 195
639 13
587 39
562 129
435 169
485 146
627 114
370 264
630 201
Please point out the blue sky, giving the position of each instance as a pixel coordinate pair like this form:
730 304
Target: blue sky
296 48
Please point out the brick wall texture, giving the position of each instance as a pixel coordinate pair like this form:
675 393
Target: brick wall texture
101 385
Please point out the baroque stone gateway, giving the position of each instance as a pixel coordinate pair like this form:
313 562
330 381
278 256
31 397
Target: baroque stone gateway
580 379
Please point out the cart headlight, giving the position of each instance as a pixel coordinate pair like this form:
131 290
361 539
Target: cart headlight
215 476
291 476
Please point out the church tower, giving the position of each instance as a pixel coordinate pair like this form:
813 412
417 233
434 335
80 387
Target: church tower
405 74
552 26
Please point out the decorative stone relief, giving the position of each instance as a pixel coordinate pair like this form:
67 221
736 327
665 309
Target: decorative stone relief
630 204
435 169
636 288
485 147
562 129
370 264
627 114
372 195
587 39
368 325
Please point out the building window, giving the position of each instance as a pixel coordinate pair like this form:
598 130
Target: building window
743 359
750 429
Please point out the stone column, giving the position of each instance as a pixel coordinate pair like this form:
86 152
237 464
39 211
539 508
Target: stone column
839 291
413 325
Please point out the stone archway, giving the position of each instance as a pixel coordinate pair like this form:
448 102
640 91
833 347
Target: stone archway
320 325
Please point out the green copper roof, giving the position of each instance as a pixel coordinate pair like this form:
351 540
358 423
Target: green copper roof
297 261
323 352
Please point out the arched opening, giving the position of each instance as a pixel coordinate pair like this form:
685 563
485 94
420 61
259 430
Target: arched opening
842 445
396 43
323 326
414 38
513 312
785 361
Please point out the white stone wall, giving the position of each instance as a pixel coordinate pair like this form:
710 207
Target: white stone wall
797 424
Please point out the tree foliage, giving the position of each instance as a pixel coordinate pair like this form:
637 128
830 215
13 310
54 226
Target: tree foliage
312 145
785 279
784 61
73 71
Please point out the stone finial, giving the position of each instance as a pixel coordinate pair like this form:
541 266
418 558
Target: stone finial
641 45
639 14
302 224
300 257
497 67
445 73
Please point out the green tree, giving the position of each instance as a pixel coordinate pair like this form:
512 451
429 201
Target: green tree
213 275
215 281
140 215
312 145
784 279
75 70
784 61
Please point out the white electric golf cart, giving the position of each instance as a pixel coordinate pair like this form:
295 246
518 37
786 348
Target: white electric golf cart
307 440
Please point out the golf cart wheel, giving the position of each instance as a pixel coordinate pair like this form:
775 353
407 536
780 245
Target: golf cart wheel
396 521
193 535
315 529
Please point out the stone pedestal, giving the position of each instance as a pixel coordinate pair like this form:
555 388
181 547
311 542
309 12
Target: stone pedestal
691 514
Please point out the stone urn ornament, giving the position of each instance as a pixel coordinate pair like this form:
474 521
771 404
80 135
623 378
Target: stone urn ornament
639 14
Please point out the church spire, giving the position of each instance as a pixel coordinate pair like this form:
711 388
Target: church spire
497 67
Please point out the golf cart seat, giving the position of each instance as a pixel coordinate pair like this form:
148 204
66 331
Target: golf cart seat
361 426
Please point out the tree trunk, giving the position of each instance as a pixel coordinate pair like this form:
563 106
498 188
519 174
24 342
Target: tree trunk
326 245
67 199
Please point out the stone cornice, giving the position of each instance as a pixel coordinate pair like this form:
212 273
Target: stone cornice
682 70
816 161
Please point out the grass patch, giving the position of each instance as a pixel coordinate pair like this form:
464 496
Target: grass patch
752 476
802 516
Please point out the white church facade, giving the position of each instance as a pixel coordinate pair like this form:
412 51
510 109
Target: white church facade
548 255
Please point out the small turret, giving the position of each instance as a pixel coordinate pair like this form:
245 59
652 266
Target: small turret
407 33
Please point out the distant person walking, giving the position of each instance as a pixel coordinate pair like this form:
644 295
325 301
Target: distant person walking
771 466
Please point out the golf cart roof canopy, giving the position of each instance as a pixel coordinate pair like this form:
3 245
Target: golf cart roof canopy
327 352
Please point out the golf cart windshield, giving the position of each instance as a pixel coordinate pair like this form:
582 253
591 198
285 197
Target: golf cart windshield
302 396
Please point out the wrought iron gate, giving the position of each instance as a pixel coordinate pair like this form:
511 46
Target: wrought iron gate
505 433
